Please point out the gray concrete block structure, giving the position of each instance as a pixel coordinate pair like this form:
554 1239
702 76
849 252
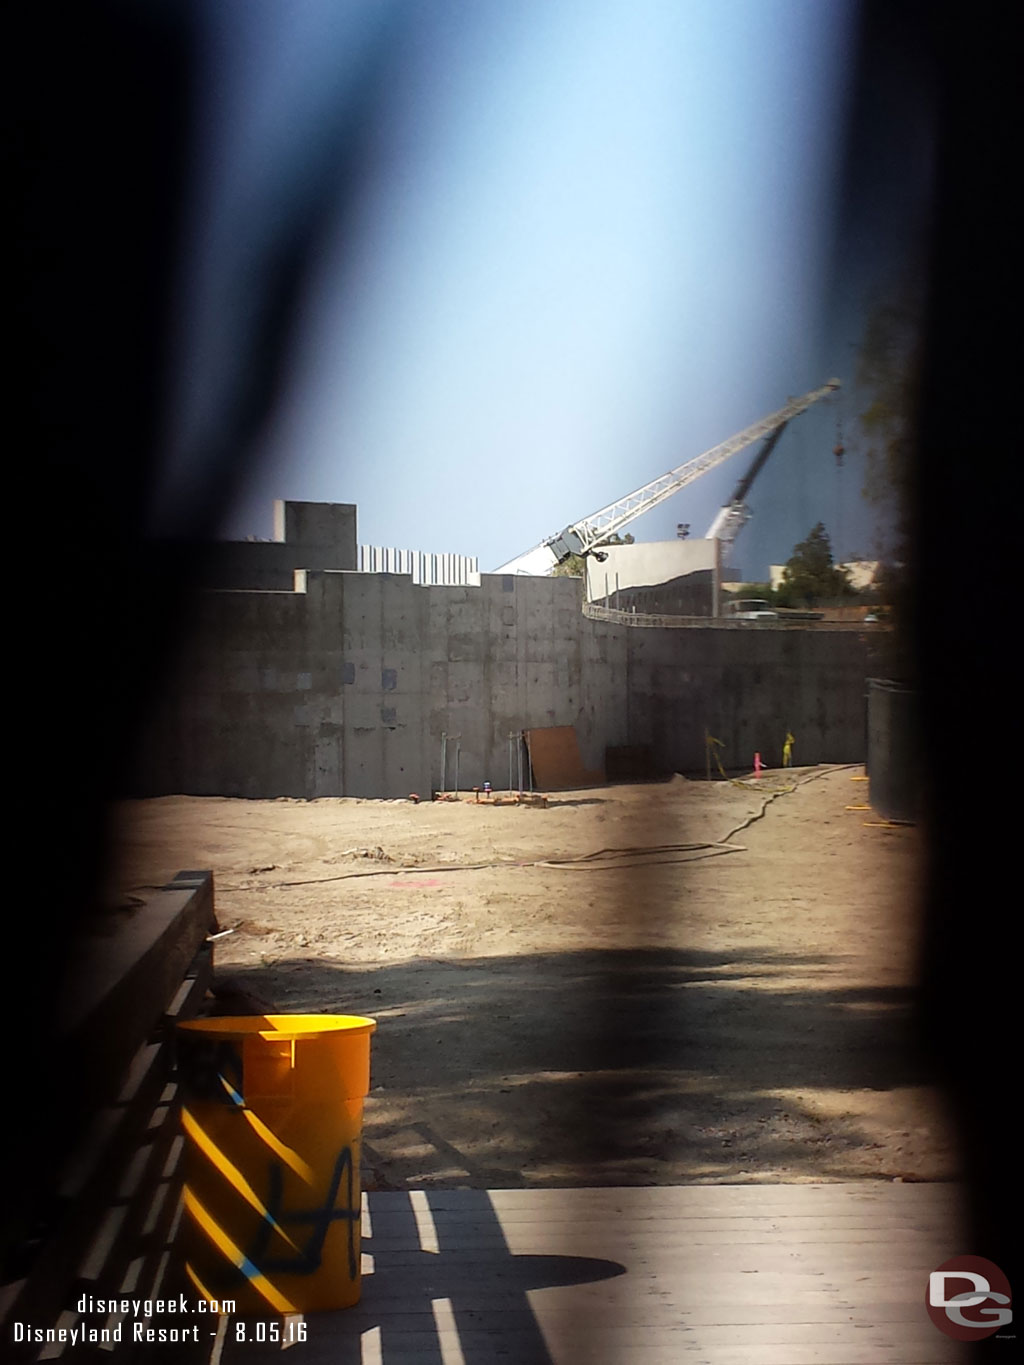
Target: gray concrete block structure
343 684
307 535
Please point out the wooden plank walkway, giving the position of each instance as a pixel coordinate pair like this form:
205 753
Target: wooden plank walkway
727 1275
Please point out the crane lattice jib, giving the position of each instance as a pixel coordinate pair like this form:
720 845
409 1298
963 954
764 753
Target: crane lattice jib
594 530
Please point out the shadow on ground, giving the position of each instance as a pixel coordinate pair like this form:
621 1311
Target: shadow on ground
472 1274
614 1067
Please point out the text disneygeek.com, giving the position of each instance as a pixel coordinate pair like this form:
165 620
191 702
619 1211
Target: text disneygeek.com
127 1319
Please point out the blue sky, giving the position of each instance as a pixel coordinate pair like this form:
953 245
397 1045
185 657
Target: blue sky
595 240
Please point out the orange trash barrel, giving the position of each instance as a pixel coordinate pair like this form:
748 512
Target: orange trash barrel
272 1112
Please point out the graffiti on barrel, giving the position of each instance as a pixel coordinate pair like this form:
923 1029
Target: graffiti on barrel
318 1219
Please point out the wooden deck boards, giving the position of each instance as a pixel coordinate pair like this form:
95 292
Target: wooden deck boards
728 1275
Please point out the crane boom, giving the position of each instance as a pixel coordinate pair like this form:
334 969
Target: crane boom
730 520
590 532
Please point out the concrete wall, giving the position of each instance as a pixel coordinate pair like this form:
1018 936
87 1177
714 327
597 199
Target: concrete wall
647 563
748 688
691 595
346 688
307 535
326 528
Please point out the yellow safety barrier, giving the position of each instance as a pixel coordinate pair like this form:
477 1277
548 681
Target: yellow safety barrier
272 1114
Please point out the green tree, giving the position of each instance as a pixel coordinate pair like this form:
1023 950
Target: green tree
573 567
762 592
810 576
576 565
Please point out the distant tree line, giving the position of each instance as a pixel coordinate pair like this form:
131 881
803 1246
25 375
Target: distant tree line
810 578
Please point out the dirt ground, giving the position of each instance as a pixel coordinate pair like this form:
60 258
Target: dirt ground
602 991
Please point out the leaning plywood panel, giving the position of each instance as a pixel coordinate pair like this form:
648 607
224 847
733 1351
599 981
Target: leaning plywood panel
556 760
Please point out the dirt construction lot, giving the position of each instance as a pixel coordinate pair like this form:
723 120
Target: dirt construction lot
600 992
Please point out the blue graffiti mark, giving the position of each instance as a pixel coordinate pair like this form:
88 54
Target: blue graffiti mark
233 1096
310 1256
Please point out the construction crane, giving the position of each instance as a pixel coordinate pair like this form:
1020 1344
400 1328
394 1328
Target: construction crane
731 519
586 536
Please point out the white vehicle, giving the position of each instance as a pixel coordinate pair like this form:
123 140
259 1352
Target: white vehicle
750 609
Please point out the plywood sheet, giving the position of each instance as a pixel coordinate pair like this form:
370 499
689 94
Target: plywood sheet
556 759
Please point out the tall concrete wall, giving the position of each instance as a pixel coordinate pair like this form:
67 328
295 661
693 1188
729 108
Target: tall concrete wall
748 689
307 535
328 528
347 688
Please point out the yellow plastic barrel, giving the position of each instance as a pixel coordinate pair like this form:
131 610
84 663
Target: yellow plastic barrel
272 1111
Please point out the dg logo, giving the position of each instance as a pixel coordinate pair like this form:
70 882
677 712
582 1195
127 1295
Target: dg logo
969 1298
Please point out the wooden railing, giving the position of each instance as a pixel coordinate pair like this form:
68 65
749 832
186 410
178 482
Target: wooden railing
117 1200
